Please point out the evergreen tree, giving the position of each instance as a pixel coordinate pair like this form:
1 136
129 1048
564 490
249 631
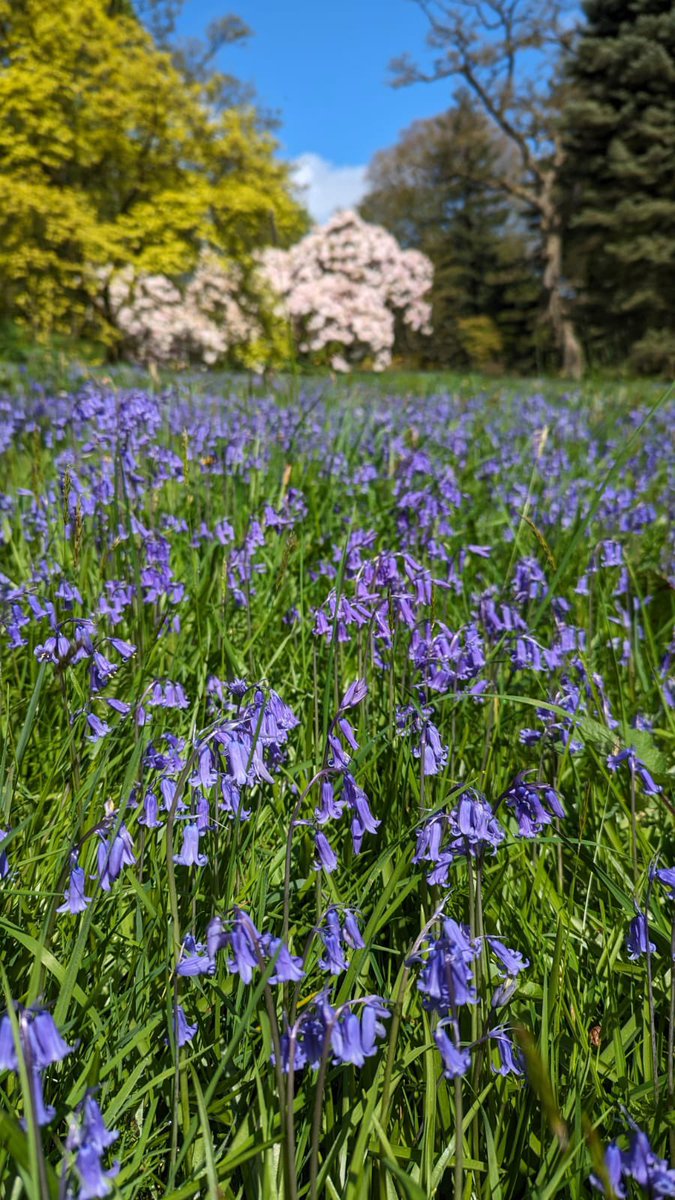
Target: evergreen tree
433 191
620 178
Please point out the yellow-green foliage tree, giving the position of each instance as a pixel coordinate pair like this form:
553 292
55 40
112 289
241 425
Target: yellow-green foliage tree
109 155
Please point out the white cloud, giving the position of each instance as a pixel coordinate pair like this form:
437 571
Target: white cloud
325 188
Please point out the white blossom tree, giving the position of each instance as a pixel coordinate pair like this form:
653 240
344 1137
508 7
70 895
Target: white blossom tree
342 287
339 292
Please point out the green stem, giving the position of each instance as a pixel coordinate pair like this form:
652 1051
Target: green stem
459 1139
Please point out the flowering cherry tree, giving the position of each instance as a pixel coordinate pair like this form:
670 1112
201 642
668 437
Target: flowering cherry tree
343 286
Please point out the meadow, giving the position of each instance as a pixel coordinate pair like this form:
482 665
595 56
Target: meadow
337 853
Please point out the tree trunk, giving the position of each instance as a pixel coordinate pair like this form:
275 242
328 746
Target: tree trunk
567 343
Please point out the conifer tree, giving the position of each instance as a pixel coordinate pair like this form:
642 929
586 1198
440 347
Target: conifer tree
620 178
433 191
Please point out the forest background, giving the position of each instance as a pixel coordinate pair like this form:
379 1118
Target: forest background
543 195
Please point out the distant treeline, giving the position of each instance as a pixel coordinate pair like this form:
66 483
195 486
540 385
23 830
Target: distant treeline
544 196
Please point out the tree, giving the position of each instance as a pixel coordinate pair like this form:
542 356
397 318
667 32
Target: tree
109 156
498 48
343 287
433 192
619 175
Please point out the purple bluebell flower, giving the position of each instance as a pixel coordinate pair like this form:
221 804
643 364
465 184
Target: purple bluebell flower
534 804
114 854
8 1055
511 960
74 900
331 935
356 692
474 825
326 858
666 875
351 932
614 1168
637 768
150 815
4 861
637 941
429 838
189 855
334 937
639 1163
330 808
44 1113
446 978
90 1140
99 728
124 649
354 1037
184 1031
456 1062
193 960
46 1044
363 820
511 1061
288 967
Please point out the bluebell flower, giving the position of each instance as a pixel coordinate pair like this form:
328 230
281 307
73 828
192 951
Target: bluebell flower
351 932
8 1056
150 815
637 768
46 1044
446 978
114 854
331 935
44 1113
89 1141
429 838
96 1131
189 855
354 1039
330 809
614 1169
184 1031
326 858
665 875
288 967
356 692
75 900
512 960
474 825
124 649
4 861
511 1060
335 937
244 942
193 960
640 1163
637 941
455 1060
363 820
99 728
534 804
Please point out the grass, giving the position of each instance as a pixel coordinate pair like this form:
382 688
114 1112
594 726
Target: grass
533 473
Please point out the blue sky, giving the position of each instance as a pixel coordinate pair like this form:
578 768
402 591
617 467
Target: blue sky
323 67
